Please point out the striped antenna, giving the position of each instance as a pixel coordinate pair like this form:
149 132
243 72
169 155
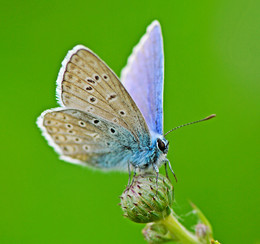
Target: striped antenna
194 122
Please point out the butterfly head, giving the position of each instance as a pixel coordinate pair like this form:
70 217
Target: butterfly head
162 145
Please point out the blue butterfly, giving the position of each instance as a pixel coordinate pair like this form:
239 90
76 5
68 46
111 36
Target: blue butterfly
104 123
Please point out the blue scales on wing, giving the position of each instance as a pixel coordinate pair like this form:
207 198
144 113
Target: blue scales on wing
88 140
143 77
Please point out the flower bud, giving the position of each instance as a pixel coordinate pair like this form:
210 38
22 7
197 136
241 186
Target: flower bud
202 231
147 201
156 233
203 228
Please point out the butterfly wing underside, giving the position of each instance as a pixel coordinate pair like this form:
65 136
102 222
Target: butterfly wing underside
86 83
89 91
87 140
143 77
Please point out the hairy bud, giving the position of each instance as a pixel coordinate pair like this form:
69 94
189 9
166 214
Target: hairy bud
147 200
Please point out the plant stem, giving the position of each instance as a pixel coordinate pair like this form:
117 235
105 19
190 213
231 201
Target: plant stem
178 231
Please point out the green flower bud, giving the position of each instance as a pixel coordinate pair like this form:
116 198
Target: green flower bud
147 201
156 233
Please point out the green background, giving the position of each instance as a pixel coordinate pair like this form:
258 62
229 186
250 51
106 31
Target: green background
212 57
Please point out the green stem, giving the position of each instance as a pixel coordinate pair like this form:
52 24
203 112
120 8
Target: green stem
178 231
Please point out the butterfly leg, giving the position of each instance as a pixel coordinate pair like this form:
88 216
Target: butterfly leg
156 169
129 174
171 169
166 171
133 177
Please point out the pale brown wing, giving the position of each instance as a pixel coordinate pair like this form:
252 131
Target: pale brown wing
87 140
86 83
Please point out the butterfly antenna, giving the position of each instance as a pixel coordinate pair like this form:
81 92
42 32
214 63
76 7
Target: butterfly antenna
194 122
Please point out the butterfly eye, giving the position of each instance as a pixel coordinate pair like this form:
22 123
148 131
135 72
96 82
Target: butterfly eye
161 145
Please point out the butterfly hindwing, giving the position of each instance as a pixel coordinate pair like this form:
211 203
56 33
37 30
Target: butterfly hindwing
86 83
144 74
86 139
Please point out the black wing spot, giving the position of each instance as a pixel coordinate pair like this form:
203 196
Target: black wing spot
127 147
111 97
85 147
96 121
81 123
92 99
91 81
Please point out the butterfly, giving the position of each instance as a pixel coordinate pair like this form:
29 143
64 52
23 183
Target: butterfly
107 124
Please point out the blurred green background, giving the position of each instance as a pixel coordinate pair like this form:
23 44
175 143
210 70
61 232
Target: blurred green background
212 57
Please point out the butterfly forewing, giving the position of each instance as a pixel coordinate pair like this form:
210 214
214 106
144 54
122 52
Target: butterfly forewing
143 77
86 83
86 139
